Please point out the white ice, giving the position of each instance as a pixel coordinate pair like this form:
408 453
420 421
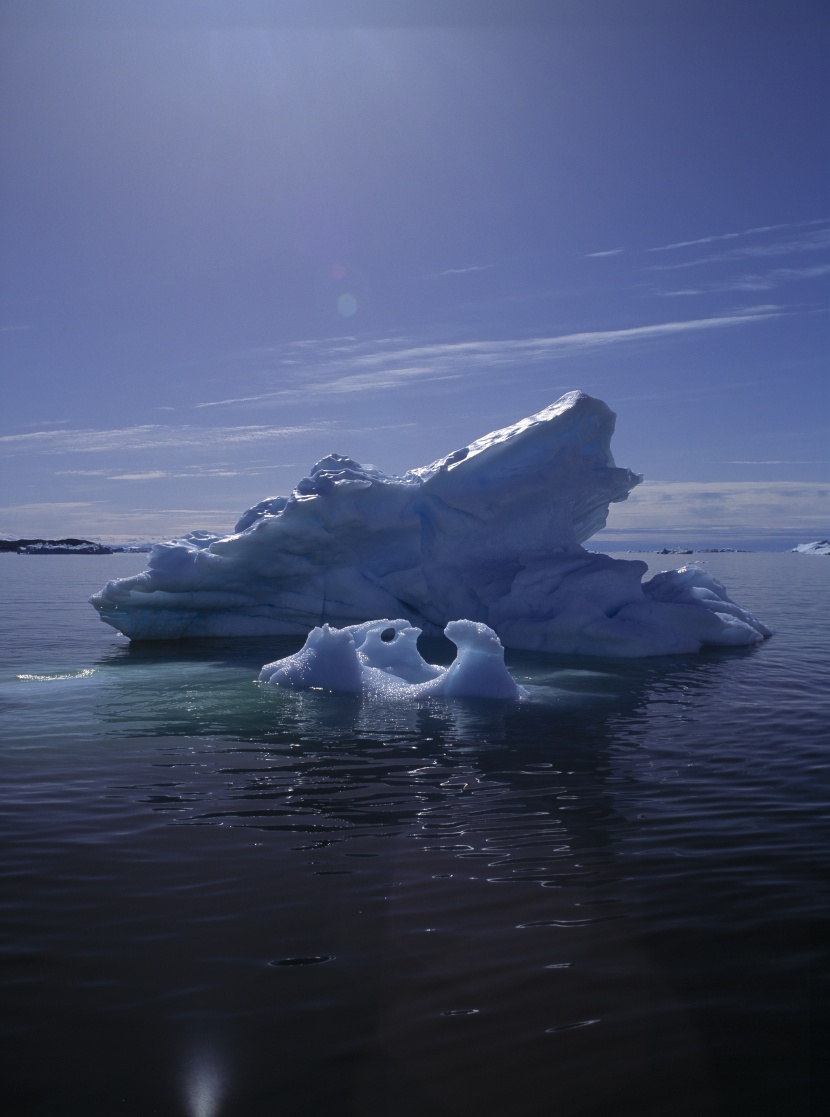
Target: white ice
492 533
380 659
820 547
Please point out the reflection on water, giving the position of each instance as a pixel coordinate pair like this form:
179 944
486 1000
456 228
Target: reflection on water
209 689
220 898
204 1083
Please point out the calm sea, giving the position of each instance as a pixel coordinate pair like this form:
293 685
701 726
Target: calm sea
220 899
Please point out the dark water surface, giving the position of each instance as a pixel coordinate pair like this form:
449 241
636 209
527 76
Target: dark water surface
220 899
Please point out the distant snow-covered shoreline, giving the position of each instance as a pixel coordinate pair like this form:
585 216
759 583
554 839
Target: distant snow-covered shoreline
70 546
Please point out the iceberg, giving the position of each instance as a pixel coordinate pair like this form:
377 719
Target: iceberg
380 659
492 533
819 547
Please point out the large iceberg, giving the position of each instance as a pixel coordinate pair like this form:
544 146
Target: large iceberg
492 533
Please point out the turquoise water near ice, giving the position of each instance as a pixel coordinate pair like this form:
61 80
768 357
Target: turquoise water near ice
220 898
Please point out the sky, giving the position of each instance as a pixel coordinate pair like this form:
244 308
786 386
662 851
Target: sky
238 237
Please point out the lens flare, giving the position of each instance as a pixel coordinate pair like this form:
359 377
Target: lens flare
347 305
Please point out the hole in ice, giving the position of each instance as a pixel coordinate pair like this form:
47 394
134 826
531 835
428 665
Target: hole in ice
460 1012
388 635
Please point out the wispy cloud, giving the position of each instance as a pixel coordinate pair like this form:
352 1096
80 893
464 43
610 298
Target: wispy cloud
767 281
714 239
48 506
148 437
724 507
743 461
96 520
464 271
757 230
815 241
388 377
192 472
364 368
784 275
607 252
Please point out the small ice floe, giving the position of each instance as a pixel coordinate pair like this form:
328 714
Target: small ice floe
380 659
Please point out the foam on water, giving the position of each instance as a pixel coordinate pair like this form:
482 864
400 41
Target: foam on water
59 676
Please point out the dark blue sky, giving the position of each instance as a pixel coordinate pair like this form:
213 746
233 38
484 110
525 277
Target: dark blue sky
232 244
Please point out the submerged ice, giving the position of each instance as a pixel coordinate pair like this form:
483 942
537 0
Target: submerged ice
380 659
492 533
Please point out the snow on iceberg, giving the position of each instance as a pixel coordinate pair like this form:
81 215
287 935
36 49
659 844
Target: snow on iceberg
491 533
380 659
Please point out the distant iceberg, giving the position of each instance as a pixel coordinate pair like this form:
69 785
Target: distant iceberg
491 533
380 659
820 547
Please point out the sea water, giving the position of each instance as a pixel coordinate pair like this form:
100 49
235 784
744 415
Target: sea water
224 899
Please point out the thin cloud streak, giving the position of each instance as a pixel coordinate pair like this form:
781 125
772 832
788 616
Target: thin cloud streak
813 242
738 461
94 520
465 271
735 236
149 437
193 473
48 506
753 282
736 507
389 369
